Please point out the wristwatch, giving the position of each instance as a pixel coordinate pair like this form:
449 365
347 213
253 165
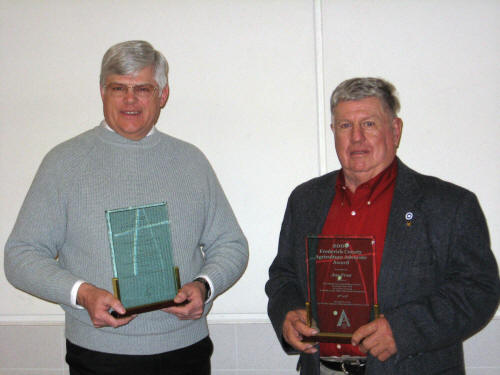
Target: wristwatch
206 284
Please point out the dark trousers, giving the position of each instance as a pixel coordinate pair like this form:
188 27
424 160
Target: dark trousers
191 360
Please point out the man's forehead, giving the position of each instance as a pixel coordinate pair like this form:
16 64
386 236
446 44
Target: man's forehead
143 75
369 106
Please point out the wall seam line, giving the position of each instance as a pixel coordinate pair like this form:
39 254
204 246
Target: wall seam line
320 89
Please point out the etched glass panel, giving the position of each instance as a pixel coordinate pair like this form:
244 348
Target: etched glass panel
141 251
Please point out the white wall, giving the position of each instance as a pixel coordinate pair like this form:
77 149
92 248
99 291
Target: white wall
250 83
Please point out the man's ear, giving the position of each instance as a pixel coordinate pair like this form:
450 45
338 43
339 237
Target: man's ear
164 96
397 130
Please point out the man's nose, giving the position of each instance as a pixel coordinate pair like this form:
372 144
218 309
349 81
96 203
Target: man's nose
130 95
357 133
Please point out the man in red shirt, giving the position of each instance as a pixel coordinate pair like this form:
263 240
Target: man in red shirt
437 277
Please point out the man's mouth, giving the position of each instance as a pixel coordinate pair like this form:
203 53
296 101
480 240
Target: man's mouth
131 113
358 152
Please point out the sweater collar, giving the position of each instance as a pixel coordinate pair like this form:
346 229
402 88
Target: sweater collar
108 135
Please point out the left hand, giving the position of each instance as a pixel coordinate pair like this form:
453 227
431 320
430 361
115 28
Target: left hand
376 338
193 294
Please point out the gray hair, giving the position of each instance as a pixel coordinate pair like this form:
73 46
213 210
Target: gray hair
132 56
360 88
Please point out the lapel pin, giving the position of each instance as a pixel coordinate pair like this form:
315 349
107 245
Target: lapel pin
408 217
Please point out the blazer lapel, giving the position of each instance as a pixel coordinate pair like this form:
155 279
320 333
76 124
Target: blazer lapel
397 240
319 206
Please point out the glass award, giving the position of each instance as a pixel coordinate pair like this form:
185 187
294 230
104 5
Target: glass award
145 278
341 283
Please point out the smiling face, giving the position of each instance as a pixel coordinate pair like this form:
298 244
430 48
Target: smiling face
130 116
366 138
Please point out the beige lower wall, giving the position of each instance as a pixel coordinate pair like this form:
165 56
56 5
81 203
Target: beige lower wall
240 348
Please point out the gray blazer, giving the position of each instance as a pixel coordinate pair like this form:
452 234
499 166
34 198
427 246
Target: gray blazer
438 283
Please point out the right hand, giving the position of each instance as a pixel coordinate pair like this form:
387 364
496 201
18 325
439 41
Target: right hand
295 328
193 295
98 302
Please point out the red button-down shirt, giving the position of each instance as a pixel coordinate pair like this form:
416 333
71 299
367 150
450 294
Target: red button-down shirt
362 213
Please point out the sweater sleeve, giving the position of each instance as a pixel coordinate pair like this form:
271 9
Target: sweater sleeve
223 242
31 251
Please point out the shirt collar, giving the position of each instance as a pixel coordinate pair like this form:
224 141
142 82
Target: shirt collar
147 135
370 189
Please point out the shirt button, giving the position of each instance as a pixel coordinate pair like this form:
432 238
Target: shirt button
338 346
369 202
353 213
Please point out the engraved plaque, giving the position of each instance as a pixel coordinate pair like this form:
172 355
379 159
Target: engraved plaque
341 285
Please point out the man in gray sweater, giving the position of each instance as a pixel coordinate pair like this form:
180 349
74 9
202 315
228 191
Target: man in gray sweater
59 249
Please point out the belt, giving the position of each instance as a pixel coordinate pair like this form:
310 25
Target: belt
356 367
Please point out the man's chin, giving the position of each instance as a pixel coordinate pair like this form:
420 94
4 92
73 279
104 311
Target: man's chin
134 133
359 167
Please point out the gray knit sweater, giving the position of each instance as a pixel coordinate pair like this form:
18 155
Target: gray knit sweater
60 235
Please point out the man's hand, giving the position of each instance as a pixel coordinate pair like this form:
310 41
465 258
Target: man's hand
98 302
376 337
295 328
193 296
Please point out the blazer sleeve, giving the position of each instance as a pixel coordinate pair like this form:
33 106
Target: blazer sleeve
459 288
283 287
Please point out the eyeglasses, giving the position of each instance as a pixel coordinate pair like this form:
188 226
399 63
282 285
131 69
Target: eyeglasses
120 90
